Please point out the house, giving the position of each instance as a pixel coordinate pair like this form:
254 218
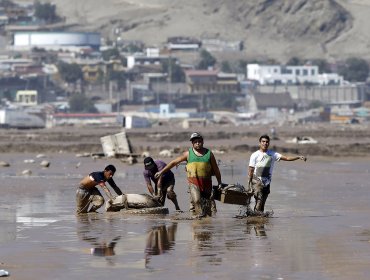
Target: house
288 75
151 57
218 45
264 101
56 40
26 97
183 44
211 81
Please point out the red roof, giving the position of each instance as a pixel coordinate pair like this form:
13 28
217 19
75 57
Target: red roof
82 115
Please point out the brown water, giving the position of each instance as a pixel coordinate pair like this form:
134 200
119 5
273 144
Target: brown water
320 228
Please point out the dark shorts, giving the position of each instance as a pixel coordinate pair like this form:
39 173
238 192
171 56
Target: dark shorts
166 188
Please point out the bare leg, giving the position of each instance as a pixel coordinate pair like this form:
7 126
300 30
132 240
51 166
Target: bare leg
173 197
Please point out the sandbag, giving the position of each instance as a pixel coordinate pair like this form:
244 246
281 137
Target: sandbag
132 201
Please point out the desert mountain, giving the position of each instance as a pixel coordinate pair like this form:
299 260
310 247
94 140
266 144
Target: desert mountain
278 29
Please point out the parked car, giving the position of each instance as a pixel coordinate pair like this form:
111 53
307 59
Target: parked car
302 140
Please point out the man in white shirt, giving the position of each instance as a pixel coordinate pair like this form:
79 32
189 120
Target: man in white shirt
261 165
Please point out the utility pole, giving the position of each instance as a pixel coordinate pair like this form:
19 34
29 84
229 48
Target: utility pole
169 80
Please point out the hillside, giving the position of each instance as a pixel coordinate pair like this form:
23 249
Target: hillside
330 29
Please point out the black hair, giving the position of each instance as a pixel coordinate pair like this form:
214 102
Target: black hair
110 167
265 136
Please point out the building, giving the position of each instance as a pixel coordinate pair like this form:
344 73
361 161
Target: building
56 40
291 75
211 81
353 93
218 45
268 101
152 57
26 97
183 44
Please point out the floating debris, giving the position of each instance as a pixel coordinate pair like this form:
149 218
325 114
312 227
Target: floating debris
29 161
165 153
83 155
145 154
4 273
4 164
45 163
27 172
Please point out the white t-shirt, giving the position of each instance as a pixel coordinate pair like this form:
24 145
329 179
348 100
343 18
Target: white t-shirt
263 164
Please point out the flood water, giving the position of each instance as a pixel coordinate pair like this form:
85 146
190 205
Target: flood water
320 228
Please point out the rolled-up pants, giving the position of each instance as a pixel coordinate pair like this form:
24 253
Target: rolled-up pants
86 197
201 204
260 193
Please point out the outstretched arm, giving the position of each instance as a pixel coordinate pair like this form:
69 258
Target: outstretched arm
172 164
114 186
215 169
285 158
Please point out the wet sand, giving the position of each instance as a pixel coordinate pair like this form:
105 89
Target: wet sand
319 230
235 142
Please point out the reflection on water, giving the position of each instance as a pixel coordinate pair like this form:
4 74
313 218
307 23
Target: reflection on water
258 229
313 234
101 238
160 239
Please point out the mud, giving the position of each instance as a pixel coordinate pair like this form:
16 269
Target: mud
319 228
333 140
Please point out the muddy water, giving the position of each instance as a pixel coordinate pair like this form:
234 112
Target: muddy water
320 228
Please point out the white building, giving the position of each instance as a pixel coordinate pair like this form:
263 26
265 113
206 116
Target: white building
183 44
276 74
26 97
56 40
152 57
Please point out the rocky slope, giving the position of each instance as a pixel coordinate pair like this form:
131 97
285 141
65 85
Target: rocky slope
278 29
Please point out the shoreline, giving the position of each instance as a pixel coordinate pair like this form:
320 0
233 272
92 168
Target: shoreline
333 140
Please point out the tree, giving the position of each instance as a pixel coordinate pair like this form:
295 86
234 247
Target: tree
46 12
70 73
225 67
132 48
207 60
324 66
173 69
242 66
8 95
118 76
354 70
111 54
80 103
295 61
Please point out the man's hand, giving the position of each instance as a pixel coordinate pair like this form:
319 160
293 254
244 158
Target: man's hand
157 175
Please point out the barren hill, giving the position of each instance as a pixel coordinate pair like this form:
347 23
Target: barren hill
280 29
